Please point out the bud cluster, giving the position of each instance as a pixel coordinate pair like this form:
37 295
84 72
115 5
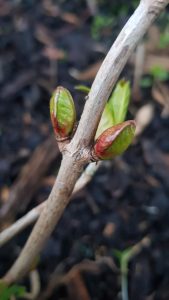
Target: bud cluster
113 140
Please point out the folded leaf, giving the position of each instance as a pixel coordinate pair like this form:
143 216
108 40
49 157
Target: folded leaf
105 122
116 108
119 101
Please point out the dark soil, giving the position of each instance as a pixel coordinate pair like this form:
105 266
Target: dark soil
127 199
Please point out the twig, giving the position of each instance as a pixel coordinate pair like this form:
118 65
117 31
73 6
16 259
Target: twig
84 179
35 286
33 215
77 153
59 277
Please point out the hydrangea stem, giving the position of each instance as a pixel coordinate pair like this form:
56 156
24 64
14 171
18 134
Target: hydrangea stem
76 154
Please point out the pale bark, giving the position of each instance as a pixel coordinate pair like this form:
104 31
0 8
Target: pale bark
77 153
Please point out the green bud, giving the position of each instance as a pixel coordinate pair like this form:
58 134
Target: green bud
62 112
114 140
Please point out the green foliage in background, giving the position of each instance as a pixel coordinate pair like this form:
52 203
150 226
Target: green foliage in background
14 290
157 73
99 23
164 38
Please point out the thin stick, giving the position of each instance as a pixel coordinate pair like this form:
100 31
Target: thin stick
77 153
33 215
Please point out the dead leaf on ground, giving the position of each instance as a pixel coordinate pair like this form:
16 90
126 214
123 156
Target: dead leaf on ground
156 60
43 35
87 74
4 194
50 8
53 10
71 18
53 53
143 117
152 60
109 229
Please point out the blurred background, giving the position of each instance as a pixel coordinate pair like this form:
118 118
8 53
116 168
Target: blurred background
48 43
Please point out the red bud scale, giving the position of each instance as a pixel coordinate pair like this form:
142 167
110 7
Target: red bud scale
114 140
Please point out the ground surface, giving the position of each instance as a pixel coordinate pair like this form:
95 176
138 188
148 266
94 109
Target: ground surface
43 45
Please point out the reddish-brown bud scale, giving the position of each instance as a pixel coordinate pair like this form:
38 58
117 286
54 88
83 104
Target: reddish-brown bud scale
114 140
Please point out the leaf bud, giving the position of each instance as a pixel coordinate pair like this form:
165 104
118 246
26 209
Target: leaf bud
62 112
114 141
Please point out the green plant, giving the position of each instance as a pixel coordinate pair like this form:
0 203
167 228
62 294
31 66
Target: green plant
14 290
116 107
114 140
121 94
146 82
164 38
112 137
77 152
82 88
157 73
62 112
124 258
99 23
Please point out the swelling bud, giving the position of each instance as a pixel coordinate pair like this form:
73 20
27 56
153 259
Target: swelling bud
63 113
114 141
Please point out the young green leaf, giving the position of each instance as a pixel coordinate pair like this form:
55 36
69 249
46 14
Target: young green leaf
114 141
82 88
124 258
119 101
116 108
62 111
105 122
